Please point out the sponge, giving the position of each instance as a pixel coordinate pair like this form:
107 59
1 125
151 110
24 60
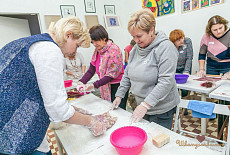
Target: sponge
160 140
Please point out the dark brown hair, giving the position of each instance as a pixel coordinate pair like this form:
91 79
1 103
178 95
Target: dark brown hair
98 33
215 20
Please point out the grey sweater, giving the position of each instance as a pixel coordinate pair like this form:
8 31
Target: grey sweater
151 75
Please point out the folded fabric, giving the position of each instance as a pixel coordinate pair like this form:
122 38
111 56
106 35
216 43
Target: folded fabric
201 109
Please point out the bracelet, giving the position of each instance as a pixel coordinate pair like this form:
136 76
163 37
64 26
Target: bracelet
143 104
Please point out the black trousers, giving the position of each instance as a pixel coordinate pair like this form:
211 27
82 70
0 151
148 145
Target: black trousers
114 88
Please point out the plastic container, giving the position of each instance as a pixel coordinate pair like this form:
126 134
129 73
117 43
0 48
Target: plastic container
181 78
68 83
128 140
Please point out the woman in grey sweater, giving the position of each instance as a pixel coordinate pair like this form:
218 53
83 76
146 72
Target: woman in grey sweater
150 72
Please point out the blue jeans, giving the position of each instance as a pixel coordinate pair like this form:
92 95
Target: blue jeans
216 71
165 119
40 153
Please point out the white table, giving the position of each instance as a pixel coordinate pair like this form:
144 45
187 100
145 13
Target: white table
194 85
78 140
222 92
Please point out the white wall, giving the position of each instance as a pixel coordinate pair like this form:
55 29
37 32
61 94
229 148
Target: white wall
13 29
192 23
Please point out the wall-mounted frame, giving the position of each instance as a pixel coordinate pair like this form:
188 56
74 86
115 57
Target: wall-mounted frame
51 19
67 11
112 21
191 5
91 20
90 6
109 9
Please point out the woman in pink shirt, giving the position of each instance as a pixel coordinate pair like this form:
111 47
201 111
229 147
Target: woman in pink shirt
107 63
127 50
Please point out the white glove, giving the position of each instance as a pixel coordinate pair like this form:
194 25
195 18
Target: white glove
89 87
96 127
187 73
80 86
76 76
201 73
138 113
116 103
226 76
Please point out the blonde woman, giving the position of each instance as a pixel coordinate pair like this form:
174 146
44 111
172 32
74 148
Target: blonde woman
32 89
150 73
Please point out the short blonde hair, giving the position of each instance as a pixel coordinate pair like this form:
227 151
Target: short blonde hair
176 35
143 20
215 20
74 25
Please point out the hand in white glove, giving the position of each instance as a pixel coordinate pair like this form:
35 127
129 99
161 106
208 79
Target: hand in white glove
80 86
116 103
138 113
96 127
201 73
82 111
76 76
187 73
226 76
89 87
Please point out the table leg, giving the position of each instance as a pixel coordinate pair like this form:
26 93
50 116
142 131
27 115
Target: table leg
203 120
59 145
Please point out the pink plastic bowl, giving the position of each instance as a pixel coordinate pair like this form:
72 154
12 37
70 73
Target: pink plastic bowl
128 140
68 83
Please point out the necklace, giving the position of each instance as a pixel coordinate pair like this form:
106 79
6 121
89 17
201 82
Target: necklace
73 63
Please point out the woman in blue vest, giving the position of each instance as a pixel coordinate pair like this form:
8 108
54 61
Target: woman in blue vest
32 89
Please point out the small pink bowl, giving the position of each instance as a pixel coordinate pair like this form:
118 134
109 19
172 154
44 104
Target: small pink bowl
68 83
128 140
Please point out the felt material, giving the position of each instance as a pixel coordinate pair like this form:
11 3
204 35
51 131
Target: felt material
201 109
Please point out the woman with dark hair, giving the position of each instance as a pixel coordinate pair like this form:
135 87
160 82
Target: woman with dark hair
107 63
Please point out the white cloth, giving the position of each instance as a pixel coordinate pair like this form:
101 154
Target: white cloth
74 66
48 61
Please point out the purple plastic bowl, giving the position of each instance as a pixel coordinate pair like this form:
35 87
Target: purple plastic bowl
128 140
181 78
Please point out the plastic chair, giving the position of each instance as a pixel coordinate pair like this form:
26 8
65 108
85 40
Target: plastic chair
218 109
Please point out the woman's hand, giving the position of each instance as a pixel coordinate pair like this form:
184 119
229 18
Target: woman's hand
89 87
201 73
139 113
96 127
116 103
80 86
226 76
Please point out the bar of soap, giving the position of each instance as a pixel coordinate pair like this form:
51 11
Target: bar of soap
160 140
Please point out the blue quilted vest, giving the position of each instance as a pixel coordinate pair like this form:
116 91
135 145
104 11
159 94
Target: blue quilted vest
23 118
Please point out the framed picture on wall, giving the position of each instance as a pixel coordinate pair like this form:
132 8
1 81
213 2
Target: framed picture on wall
67 10
90 6
109 9
112 21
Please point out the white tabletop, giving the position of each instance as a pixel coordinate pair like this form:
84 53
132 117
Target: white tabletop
78 140
222 92
194 85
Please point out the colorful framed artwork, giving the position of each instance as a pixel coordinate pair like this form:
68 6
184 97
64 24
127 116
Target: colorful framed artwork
112 21
195 4
159 7
90 6
67 10
186 6
109 9
204 3
213 2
